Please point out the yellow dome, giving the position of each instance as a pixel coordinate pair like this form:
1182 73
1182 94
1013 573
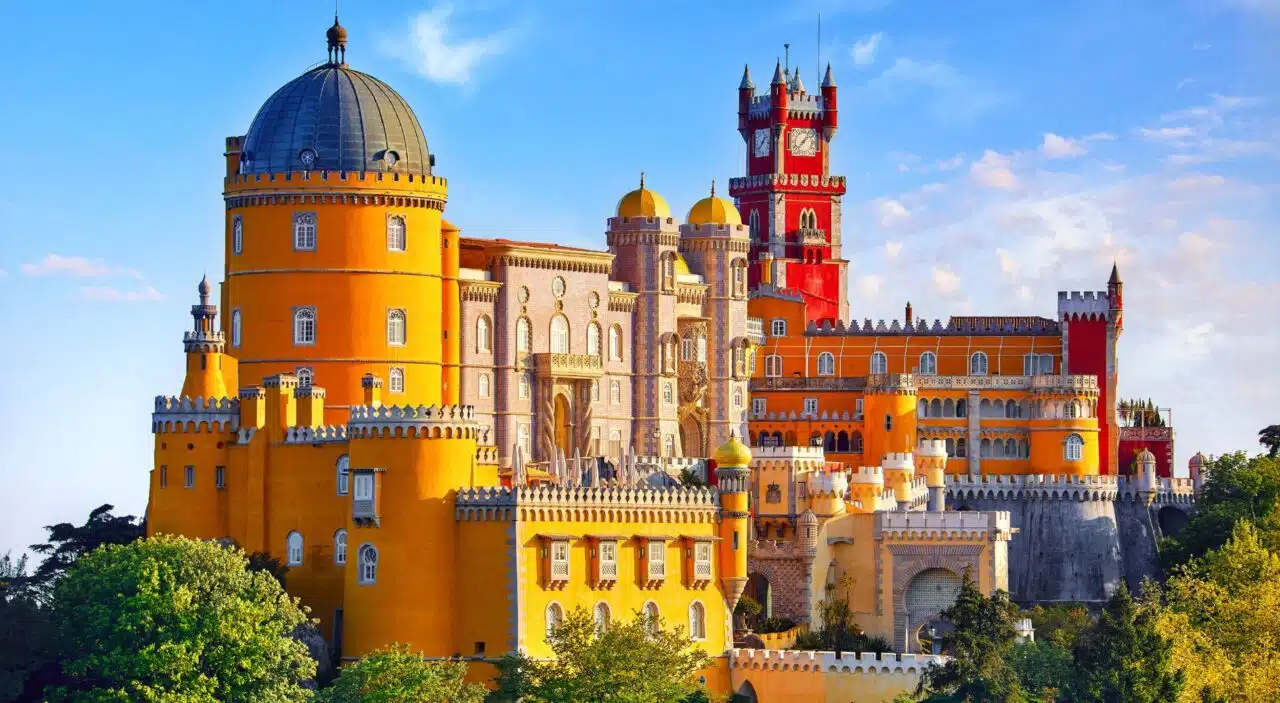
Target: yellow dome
714 211
643 202
682 266
733 453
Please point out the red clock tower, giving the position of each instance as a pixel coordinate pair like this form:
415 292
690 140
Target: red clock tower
788 197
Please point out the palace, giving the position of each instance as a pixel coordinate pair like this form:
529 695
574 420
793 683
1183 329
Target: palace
452 442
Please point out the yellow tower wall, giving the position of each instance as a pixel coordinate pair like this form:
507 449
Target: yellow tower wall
900 408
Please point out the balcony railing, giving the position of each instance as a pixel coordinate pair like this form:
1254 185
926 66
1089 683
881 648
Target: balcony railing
362 508
812 237
702 569
560 569
568 365
657 570
817 383
755 330
609 570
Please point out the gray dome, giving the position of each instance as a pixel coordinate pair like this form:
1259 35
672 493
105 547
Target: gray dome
332 118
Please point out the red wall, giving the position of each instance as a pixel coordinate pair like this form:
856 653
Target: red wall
1087 356
821 285
1163 451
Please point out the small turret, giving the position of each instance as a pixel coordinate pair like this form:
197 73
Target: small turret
1115 288
829 115
796 85
205 348
746 91
931 460
778 94
1199 469
907 316
1147 481
733 478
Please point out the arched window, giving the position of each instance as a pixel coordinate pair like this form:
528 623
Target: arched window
554 617
773 366
559 335
997 448
340 547
344 474
879 363
482 384
524 335
601 615
395 380
984 448
304 376
697 621
395 233
484 336
669 445
855 443
753 222
739 278
1075 448
935 408
237 235
737 397
396 324
235 327
1073 410
668 394
593 339
961 448
304 325
368 565
651 617
948 408
304 231
294 552
687 349
615 343
829 441
928 364
1011 448
951 447
961 408
615 393
978 364
523 385
522 437
922 408
826 364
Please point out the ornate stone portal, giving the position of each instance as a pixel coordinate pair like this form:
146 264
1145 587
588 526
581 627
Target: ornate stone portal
565 386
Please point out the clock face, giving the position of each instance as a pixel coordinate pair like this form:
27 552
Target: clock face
804 142
762 139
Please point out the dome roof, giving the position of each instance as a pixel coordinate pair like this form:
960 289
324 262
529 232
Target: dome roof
333 118
733 453
643 202
682 266
714 211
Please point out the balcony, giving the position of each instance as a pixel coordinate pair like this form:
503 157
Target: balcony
755 330
817 383
811 237
657 569
549 365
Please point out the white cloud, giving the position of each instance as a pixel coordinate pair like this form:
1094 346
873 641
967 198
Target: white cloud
433 50
107 293
993 171
1024 293
891 212
864 51
932 188
1194 243
3 273
952 96
945 281
54 264
1167 133
1008 265
892 250
1184 83
1056 147
1197 181
952 163
868 286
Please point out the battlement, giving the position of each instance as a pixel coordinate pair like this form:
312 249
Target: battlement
847 662
765 290
1163 491
666 225
797 452
715 230
774 549
316 435
1083 305
248 181
986 326
831 483
900 461
187 414
965 524
867 474
590 503
827 184
1034 486
934 448
422 421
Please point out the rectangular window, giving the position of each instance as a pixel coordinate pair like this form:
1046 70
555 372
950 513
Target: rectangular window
363 487
190 481
758 406
811 406
524 386
304 231
688 349
1046 364
801 490
595 441
702 560
857 407
777 327
220 477
608 560
164 477
735 540
559 561
657 559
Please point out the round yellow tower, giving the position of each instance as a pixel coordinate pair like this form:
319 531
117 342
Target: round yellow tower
890 412
733 478
1064 426
333 240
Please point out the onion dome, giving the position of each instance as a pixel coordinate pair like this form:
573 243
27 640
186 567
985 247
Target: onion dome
333 118
643 202
204 288
714 211
733 453
682 266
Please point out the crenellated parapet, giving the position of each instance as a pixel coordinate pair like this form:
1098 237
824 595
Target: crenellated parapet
1161 491
952 525
589 504
1086 305
316 435
956 326
422 421
1032 487
204 342
891 384
187 414
335 187
832 483
829 662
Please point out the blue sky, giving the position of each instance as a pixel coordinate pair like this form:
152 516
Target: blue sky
996 151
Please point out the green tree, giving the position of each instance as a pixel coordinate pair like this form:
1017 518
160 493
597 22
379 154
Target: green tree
640 661
397 674
1269 437
67 543
170 619
983 637
1238 488
1043 668
26 664
1123 658
1060 624
1222 612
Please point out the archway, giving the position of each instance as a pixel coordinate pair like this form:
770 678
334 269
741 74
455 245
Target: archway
761 591
563 425
691 440
1171 520
746 693
928 593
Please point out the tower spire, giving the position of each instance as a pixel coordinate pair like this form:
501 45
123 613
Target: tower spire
713 187
642 180
746 83
777 74
337 40
827 80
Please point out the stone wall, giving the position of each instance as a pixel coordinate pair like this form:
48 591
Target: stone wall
786 568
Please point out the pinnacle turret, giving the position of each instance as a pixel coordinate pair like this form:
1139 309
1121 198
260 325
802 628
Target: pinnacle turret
1115 274
796 85
827 80
777 75
746 83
